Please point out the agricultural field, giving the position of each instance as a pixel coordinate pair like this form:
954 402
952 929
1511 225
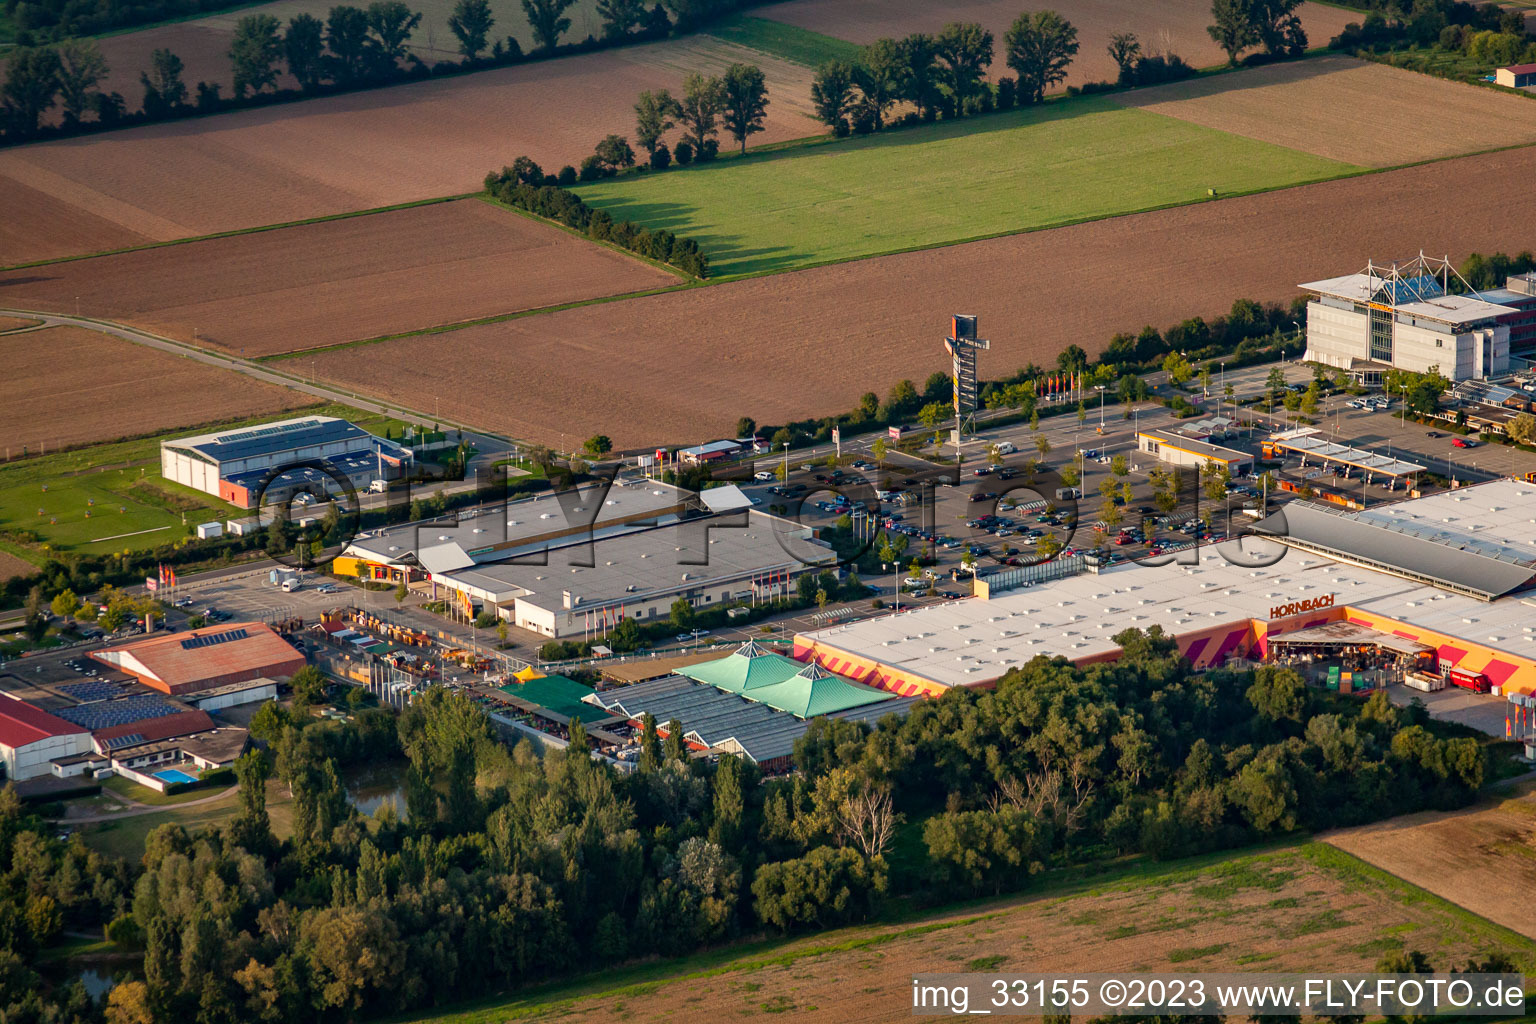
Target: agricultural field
68 386
1295 909
627 369
1476 858
342 154
1320 105
1176 26
16 323
1063 162
337 280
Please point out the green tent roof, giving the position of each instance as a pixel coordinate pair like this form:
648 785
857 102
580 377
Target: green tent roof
743 670
815 691
783 683
557 694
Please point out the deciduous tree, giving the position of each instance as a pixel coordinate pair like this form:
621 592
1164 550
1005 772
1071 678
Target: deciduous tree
254 52
471 23
965 51
1040 48
744 101
304 50
547 20
81 69
31 85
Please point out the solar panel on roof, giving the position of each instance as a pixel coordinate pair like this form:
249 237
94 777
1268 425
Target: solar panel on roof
122 711
118 742
208 640
92 690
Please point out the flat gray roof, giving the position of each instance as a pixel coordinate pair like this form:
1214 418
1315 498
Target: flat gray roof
1451 559
464 539
637 565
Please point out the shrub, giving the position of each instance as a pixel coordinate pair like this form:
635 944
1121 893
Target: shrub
683 153
661 158
566 177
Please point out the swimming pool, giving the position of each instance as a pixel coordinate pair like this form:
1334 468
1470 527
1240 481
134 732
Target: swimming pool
174 776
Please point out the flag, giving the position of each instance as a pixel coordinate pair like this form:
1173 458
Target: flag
162 574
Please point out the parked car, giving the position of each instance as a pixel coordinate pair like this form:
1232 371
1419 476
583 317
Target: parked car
1433 433
1462 442
762 475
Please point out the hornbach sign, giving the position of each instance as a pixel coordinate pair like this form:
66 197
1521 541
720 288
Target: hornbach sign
1311 604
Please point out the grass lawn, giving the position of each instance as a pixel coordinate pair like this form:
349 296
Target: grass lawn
1066 161
110 497
125 836
788 42
144 795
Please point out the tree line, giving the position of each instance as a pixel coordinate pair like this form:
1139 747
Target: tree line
513 866
944 74
1487 33
515 186
351 48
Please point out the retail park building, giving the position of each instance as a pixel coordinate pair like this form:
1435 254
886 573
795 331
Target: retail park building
1453 574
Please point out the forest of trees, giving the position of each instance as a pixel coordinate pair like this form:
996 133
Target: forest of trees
511 867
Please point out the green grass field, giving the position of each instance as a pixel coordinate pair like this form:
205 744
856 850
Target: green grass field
788 42
1073 160
110 497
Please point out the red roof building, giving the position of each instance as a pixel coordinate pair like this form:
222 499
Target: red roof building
151 730
201 659
30 737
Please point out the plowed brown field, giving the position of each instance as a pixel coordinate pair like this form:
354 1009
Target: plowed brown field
344 153
1316 106
335 281
1176 26
1290 911
683 366
10 566
1478 858
69 386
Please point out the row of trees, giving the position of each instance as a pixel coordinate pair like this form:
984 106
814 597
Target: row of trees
352 47
736 101
1486 32
511 867
944 74
514 185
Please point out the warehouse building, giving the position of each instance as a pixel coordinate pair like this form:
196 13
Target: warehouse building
1454 573
639 573
205 659
525 529
234 464
1415 316
31 738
